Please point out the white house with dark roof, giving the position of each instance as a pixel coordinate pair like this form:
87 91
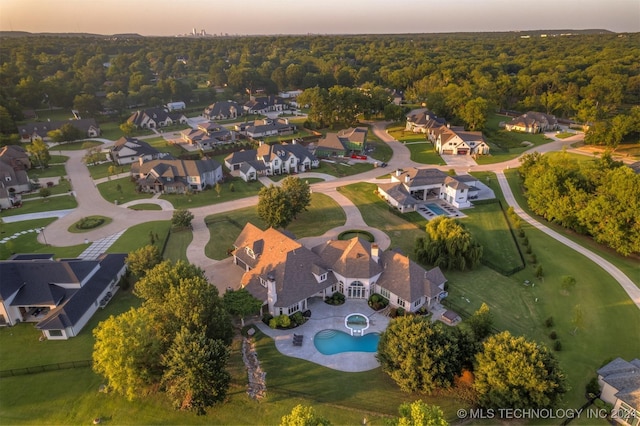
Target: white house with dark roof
208 135
59 296
223 110
285 275
127 150
532 122
264 104
271 159
39 130
421 121
619 382
410 189
266 127
153 118
176 176
457 141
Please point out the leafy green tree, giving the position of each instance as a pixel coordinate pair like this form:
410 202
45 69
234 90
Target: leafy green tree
66 132
418 355
568 283
298 193
143 259
117 101
127 353
92 156
156 282
274 207
448 245
182 218
39 152
481 322
517 373
195 375
128 128
474 113
87 105
44 192
418 413
303 415
241 303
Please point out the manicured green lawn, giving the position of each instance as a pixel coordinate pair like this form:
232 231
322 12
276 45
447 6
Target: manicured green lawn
342 169
424 153
323 214
176 248
28 243
490 228
57 159
75 146
122 190
51 171
99 171
376 213
145 206
310 181
398 132
43 205
77 227
241 188
61 188
162 145
381 150
139 235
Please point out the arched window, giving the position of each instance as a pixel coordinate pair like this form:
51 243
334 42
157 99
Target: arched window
356 290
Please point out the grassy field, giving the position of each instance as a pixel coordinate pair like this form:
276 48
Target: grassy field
51 171
162 145
43 205
28 243
100 171
323 214
145 206
139 236
310 181
424 153
488 225
241 188
342 169
63 187
376 213
75 146
121 190
57 159
176 248
381 150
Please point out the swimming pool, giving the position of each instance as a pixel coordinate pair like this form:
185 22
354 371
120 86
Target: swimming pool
436 209
331 342
356 323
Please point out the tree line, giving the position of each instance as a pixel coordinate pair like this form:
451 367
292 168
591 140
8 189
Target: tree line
600 198
590 77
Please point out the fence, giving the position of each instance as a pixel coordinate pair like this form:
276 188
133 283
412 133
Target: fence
44 368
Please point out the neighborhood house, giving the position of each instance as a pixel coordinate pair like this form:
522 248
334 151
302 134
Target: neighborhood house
285 275
268 160
619 382
39 130
127 150
410 189
533 122
14 163
154 118
266 127
176 176
224 110
208 135
344 143
59 296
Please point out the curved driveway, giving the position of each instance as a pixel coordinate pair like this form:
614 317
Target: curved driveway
90 202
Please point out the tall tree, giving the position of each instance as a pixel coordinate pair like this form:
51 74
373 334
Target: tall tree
127 353
418 355
303 415
516 373
274 207
66 132
241 303
474 113
418 413
143 259
39 152
195 375
448 245
298 193
182 218
481 322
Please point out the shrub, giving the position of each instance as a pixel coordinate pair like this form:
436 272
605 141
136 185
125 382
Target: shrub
592 388
283 321
401 312
549 322
336 299
533 259
529 250
266 318
521 233
553 335
273 323
539 272
89 222
525 241
44 192
557 346
297 319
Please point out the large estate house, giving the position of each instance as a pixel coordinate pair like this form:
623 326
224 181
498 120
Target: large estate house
59 296
176 176
344 143
446 139
14 163
410 189
264 104
619 383
532 122
153 118
39 130
128 150
271 159
266 127
223 110
285 275
208 135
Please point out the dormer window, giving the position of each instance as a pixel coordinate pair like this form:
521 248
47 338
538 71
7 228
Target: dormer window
252 255
263 282
323 277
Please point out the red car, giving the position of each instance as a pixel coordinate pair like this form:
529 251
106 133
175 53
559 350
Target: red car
358 157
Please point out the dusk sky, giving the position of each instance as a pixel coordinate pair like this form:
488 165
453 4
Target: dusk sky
172 17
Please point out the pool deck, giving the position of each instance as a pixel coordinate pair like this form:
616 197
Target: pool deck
324 316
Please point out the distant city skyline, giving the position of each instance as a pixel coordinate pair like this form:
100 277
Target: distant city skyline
170 17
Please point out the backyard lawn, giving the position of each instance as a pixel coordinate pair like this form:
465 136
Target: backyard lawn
176 248
424 153
75 146
162 145
48 204
376 213
121 190
56 170
99 171
28 243
241 189
341 168
140 235
323 214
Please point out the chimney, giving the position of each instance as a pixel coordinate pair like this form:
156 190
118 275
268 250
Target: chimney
375 252
407 179
398 172
272 295
140 160
260 143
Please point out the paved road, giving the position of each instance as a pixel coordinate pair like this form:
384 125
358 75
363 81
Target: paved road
90 202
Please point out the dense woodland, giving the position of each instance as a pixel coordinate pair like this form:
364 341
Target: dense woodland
592 78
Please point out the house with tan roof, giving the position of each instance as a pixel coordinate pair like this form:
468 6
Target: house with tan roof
176 176
208 136
154 118
286 275
532 122
457 141
409 189
223 110
619 382
343 143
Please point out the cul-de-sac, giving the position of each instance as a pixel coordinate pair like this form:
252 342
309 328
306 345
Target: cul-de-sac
320 229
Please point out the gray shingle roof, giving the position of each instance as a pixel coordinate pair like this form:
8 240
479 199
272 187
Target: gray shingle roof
623 376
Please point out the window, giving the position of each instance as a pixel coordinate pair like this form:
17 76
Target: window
384 292
55 333
400 301
323 277
263 282
417 303
8 178
293 309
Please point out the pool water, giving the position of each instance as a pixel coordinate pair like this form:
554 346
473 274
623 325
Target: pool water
357 322
436 209
331 342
